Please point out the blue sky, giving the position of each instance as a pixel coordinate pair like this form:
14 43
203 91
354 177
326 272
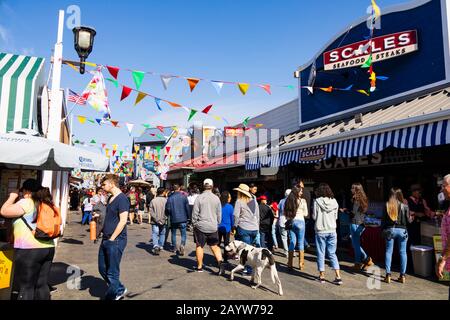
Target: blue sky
254 41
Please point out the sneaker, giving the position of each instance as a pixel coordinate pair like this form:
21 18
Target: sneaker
52 289
321 280
122 295
197 269
338 281
387 278
182 251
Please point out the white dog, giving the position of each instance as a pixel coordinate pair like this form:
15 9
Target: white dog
258 259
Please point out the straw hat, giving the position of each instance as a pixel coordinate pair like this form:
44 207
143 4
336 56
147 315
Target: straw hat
244 189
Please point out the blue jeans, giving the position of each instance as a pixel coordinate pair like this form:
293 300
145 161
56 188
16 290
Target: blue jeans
401 237
87 217
274 235
297 235
326 243
158 235
284 238
355 233
249 237
182 226
109 256
266 240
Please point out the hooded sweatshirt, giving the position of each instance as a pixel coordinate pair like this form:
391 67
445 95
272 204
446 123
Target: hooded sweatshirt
325 213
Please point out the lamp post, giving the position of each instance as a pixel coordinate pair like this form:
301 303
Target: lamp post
84 42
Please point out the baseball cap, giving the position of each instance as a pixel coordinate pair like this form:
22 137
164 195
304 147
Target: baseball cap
208 181
262 198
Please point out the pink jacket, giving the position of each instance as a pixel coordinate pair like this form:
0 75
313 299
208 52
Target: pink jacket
445 235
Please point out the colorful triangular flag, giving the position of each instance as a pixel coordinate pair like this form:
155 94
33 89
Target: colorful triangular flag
206 110
157 101
81 119
363 92
160 128
192 114
173 104
99 121
165 81
140 96
115 82
266 87
93 141
329 89
217 85
114 71
129 127
245 122
192 83
243 87
167 149
114 123
125 92
368 63
138 76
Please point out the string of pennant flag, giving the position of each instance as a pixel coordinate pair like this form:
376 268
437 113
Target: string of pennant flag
138 77
130 126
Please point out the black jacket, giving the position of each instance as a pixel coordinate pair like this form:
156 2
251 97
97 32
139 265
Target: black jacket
265 218
402 219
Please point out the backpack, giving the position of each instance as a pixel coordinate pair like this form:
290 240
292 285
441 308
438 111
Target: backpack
48 223
133 199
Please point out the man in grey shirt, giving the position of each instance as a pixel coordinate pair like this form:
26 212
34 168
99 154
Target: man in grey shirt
206 216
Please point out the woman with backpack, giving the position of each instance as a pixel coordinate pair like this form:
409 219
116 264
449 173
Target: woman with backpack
33 255
396 217
295 210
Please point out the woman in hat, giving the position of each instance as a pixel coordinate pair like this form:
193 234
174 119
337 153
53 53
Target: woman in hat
246 222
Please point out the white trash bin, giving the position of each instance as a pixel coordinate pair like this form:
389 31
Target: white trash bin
422 257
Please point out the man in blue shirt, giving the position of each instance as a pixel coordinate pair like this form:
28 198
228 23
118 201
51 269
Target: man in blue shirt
177 208
114 238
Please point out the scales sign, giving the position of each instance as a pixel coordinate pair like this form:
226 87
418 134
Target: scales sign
383 48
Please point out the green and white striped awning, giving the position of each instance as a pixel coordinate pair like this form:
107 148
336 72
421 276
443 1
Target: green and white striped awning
20 80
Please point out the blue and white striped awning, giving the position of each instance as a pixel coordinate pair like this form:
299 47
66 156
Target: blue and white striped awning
425 135
20 78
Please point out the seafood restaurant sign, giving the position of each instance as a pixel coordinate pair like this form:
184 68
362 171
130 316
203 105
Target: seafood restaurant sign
382 48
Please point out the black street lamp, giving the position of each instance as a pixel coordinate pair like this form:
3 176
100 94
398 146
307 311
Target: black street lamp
84 41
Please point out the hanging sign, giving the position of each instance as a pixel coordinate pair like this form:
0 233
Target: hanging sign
234 132
313 154
382 48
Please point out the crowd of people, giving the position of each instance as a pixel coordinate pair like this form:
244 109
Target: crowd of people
215 220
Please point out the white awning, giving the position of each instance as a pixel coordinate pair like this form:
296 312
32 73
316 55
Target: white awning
30 152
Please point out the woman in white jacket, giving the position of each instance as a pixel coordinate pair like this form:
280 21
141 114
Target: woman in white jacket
325 214
295 210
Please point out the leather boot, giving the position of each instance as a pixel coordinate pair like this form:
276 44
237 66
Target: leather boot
290 259
367 264
301 260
